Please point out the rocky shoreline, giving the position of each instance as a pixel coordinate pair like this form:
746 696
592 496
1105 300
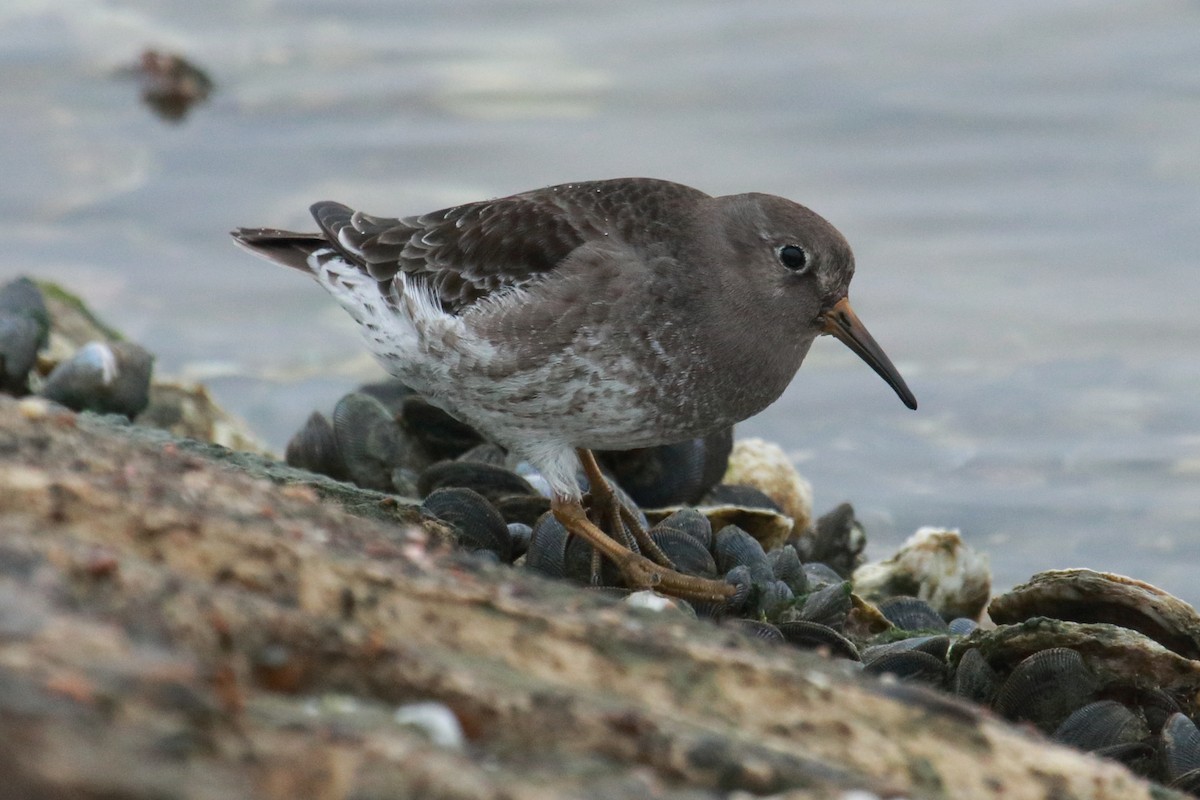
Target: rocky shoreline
179 619
174 627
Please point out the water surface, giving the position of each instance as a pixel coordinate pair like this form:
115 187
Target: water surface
1021 184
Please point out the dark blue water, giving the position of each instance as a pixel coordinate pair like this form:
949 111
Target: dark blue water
1021 183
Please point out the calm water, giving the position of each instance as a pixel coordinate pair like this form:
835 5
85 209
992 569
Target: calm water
1021 183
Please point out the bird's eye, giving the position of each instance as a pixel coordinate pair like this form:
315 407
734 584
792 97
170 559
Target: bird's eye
793 257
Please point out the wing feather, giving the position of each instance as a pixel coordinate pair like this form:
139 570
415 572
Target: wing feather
469 252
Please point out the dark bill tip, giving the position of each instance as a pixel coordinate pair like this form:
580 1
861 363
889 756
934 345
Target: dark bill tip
842 323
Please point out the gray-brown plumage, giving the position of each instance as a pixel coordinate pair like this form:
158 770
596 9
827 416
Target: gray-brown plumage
608 314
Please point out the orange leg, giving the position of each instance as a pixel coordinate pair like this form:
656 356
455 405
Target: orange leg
617 517
639 571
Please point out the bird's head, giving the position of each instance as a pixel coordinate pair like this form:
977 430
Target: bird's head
799 255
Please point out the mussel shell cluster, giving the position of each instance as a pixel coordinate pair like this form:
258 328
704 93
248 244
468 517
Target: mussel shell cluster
107 377
24 331
104 377
1102 663
1098 661
386 438
674 474
380 437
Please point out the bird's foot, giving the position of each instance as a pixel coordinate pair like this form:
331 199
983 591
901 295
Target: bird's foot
639 572
615 517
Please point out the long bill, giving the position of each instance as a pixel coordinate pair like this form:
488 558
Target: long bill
842 323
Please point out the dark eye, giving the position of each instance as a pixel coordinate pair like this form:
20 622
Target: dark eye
793 257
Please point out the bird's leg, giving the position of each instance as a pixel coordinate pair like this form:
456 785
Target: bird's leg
618 518
603 503
639 571
606 507
597 566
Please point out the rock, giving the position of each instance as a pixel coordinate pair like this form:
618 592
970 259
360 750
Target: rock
24 331
174 625
105 377
765 466
186 410
935 565
1084 595
838 540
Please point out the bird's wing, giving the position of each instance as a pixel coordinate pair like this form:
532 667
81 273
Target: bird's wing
469 252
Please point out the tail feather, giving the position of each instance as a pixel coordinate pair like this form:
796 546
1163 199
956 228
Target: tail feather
288 248
331 217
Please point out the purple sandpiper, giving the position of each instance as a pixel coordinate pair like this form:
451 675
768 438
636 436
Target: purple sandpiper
601 315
